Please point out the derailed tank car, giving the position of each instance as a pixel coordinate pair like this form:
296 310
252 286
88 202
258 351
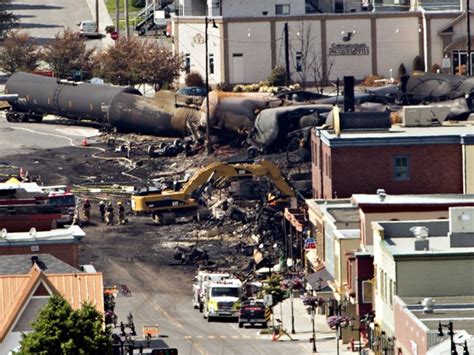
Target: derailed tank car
120 107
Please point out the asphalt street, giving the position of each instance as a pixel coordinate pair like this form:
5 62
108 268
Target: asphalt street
161 292
42 20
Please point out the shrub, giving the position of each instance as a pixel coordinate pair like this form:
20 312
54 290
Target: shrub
277 76
194 79
436 68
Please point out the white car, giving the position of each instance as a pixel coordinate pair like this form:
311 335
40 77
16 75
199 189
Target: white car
88 29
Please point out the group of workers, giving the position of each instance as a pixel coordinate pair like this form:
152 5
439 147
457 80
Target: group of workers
106 211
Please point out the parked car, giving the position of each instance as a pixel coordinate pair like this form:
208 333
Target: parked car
300 95
252 312
190 96
88 29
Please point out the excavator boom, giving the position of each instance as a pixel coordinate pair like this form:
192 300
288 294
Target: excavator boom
185 198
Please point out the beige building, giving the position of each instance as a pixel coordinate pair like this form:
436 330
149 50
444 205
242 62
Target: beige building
431 258
245 49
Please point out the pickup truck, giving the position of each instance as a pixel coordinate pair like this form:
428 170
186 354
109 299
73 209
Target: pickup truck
252 312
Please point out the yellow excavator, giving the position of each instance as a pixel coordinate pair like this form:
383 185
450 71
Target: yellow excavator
166 205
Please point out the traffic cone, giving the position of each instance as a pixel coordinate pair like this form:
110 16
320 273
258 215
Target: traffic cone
274 338
84 142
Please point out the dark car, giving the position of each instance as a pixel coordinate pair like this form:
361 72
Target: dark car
252 312
300 96
190 96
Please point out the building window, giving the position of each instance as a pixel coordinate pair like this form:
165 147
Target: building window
283 9
299 66
187 63
401 167
211 63
366 291
390 297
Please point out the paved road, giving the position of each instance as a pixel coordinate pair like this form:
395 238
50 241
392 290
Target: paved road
22 138
44 19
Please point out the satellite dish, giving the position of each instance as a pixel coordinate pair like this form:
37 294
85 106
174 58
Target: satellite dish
4 232
33 232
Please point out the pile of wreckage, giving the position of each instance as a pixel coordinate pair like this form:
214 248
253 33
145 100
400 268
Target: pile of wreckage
262 122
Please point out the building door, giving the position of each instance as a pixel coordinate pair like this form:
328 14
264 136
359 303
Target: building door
237 75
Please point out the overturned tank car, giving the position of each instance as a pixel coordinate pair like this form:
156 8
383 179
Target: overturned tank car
121 107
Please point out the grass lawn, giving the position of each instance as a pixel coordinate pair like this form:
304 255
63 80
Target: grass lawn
110 4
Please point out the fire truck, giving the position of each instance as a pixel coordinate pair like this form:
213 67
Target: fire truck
203 278
222 299
61 197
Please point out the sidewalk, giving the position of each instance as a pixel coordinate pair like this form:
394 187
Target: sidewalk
104 20
325 336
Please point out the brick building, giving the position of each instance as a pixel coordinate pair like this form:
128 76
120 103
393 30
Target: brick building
61 243
401 160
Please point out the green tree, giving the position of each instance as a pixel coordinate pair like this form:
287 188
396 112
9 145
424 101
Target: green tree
60 330
19 53
7 19
67 54
117 64
273 287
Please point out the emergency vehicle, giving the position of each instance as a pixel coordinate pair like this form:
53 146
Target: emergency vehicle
222 299
61 197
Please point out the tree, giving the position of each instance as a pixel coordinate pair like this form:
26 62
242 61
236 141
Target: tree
273 287
60 330
158 65
132 62
321 72
67 53
117 64
19 53
7 19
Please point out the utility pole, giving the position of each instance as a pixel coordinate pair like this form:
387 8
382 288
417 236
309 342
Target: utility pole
287 55
117 15
127 29
97 14
469 62
206 40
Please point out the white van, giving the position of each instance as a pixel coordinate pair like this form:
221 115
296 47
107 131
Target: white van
88 29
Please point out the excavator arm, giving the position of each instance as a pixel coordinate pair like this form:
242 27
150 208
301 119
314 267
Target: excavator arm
190 191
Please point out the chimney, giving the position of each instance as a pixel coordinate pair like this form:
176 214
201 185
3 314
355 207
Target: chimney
382 194
34 260
421 233
428 305
349 94
461 227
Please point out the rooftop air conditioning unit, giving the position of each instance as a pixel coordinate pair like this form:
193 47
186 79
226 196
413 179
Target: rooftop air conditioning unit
415 116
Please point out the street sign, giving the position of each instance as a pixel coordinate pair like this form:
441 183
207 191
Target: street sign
268 314
310 243
114 35
268 300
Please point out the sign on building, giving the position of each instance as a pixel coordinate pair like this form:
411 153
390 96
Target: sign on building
349 49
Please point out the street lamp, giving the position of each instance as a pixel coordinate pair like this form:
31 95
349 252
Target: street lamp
208 142
313 312
451 335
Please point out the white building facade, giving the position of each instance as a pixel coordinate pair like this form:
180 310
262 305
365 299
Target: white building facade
248 40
